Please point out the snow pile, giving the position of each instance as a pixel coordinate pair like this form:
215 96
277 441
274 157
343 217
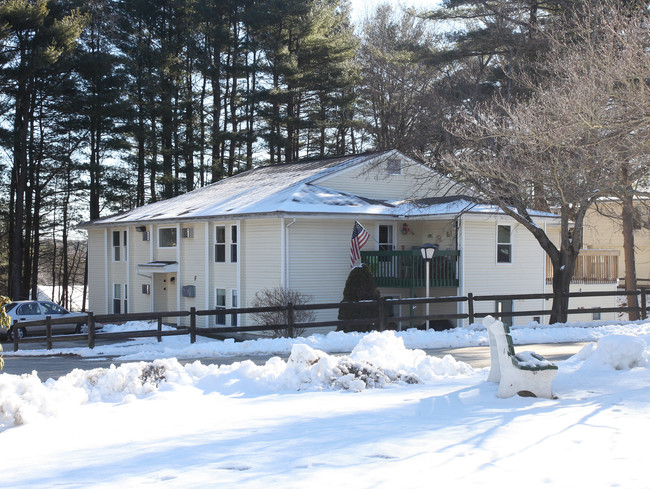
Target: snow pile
380 359
619 352
134 326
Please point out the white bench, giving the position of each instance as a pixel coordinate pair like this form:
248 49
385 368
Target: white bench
525 373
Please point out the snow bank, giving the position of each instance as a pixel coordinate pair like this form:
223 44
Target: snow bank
618 352
335 341
380 359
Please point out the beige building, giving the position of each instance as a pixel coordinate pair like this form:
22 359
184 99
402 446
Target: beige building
290 226
604 231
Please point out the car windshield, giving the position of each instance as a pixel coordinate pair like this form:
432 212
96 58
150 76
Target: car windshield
9 307
51 308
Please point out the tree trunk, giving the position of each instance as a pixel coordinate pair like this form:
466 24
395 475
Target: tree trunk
627 215
562 275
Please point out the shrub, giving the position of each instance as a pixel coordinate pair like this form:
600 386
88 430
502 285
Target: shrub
360 286
5 323
280 296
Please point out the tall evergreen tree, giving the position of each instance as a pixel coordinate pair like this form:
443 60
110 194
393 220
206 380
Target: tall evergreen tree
39 32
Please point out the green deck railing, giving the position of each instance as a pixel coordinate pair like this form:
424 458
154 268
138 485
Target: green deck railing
406 269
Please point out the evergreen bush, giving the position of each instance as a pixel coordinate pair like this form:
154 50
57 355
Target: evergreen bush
360 286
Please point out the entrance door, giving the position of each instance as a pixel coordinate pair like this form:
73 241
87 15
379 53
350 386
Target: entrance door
164 292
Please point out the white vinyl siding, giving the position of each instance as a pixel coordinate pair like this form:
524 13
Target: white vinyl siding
376 181
484 276
97 261
192 270
320 249
140 253
260 257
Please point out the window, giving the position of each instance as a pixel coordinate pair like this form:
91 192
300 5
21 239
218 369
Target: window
28 309
220 304
220 245
187 232
233 244
394 166
386 237
117 299
234 303
126 309
504 306
116 246
50 309
595 316
167 238
146 289
504 244
146 236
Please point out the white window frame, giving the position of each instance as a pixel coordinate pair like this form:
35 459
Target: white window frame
381 243
508 244
220 245
234 241
121 298
234 303
175 231
217 306
117 248
117 298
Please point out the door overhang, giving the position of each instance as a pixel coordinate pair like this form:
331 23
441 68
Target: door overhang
158 267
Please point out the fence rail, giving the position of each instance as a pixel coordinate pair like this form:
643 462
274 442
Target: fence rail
379 320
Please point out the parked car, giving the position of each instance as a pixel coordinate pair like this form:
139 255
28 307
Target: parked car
37 310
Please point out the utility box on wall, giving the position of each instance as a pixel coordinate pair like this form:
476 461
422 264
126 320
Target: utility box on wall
189 291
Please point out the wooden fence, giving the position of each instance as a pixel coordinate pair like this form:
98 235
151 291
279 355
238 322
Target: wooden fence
379 321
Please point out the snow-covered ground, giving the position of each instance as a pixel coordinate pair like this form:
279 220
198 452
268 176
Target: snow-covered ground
386 415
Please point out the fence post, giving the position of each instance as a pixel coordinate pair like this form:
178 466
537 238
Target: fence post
48 331
470 307
193 325
91 330
159 336
290 319
644 310
381 313
15 333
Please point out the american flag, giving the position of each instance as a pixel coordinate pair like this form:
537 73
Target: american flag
359 238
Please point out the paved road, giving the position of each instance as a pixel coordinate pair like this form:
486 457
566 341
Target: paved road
58 365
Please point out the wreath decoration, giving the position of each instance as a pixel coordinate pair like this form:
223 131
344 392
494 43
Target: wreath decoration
405 229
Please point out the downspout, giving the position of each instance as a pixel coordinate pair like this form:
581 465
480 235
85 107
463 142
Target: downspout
207 272
128 292
544 275
239 259
153 282
461 262
179 240
287 261
106 259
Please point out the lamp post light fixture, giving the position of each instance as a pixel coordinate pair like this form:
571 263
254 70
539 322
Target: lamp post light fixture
428 250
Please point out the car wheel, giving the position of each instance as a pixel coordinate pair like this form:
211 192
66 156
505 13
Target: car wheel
21 334
81 329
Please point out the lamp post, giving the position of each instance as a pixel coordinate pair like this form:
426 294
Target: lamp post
427 250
